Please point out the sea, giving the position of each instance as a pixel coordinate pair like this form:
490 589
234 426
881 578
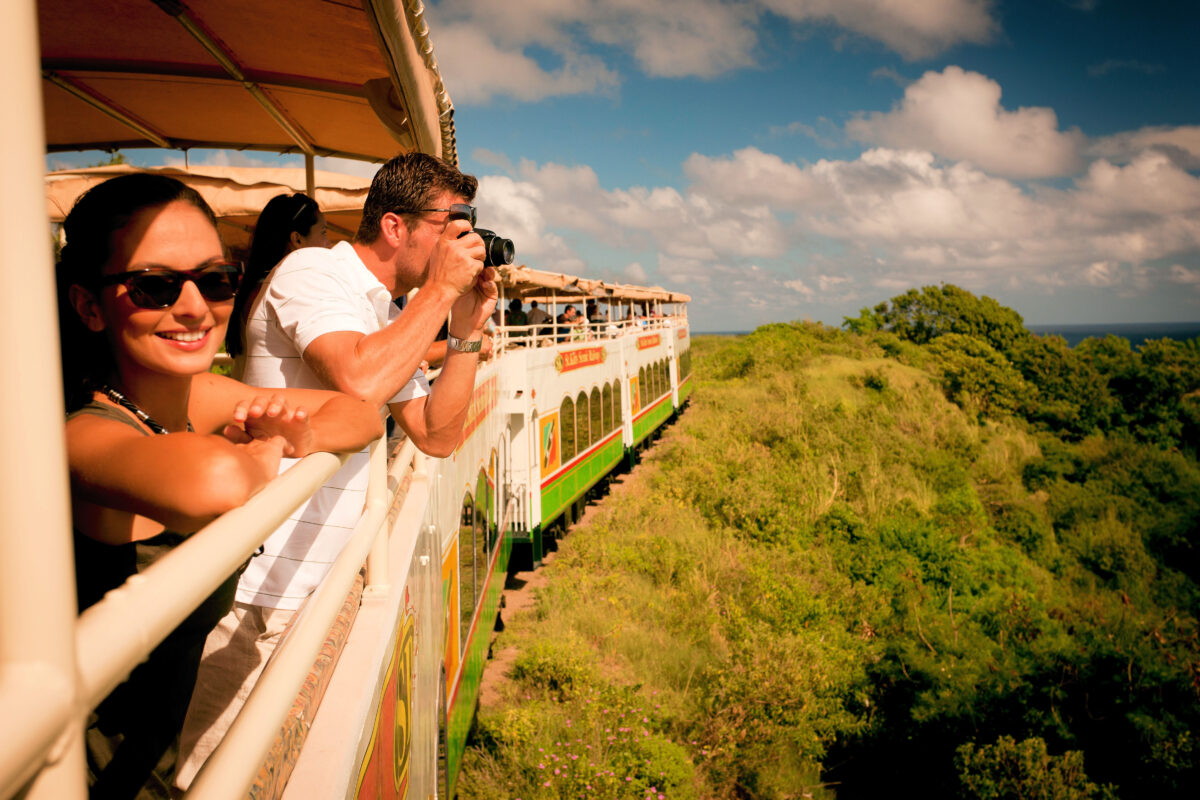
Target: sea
1136 332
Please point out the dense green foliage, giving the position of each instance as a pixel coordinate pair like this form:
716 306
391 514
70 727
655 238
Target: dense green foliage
937 556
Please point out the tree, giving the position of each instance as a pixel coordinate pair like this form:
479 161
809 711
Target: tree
1072 396
936 311
978 377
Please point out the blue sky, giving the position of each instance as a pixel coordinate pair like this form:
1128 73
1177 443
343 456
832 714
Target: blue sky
791 159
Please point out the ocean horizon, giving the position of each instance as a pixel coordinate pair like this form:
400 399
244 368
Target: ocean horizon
1138 333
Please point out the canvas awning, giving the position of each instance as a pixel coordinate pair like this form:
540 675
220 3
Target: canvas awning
526 283
320 77
237 194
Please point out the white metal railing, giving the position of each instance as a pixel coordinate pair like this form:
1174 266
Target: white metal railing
231 769
117 633
551 332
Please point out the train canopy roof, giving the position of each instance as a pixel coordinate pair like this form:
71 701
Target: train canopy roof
351 79
526 283
236 194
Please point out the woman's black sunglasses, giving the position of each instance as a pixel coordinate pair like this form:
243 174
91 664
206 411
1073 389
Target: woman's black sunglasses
160 288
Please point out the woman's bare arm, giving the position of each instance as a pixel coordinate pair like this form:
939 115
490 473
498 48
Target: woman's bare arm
181 480
328 421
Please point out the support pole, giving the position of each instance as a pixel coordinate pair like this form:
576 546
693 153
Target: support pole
43 724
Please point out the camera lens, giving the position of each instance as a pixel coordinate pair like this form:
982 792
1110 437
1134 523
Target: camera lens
498 250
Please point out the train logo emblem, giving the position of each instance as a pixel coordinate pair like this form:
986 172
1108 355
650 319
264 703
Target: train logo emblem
549 443
583 357
646 342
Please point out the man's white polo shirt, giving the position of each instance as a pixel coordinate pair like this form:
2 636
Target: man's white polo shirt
310 293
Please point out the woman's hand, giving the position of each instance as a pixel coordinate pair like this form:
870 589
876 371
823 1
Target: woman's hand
270 416
266 451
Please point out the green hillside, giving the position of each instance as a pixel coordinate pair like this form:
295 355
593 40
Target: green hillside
931 553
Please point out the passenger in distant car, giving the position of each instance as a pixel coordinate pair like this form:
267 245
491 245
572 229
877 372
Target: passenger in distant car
158 446
514 317
538 316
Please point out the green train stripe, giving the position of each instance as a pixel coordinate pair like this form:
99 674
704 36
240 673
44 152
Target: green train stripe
651 418
569 486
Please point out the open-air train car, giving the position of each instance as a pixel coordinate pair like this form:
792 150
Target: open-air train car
374 689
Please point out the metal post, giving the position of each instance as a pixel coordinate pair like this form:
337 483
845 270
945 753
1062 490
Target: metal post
310 178
37 582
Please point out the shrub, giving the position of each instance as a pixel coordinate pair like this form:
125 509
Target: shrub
1011 770
978 377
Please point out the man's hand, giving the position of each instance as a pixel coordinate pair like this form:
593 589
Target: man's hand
471 311
455 263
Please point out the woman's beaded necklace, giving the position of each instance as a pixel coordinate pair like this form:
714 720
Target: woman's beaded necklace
128 405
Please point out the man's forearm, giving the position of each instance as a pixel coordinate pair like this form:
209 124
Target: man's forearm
383 362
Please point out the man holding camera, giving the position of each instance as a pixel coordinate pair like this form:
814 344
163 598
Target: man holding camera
325 319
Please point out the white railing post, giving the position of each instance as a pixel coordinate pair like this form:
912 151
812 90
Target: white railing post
38 697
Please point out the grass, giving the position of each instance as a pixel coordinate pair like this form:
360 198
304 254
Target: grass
825 562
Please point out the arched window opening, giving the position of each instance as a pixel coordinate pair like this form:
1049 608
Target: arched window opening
484 506
607 404
566 421
596 414
617 416
466 570
582 437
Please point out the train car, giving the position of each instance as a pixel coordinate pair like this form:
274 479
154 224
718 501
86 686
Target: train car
550 420
373 693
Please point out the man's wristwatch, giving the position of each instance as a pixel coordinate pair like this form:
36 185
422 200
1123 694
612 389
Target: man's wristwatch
464 345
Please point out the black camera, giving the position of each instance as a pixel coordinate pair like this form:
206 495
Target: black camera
497 249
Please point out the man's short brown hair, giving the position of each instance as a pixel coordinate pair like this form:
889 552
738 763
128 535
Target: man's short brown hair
407 183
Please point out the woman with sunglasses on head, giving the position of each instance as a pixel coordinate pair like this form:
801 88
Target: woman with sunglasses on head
157 446
287 223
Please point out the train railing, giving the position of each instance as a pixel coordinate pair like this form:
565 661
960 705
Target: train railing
551 332
116 634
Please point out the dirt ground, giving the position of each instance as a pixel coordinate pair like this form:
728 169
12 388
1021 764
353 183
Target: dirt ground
520 593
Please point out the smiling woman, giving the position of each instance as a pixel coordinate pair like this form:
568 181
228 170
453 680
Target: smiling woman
157 446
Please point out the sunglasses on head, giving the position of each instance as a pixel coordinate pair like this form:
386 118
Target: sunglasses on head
160 288
456 210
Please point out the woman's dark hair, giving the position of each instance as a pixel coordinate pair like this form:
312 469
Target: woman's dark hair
96 216
280 217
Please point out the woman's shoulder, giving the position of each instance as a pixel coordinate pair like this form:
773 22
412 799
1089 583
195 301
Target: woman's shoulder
94 411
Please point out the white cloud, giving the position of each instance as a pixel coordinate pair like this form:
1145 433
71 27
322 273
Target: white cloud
532 49
1181 144
1181 274
635 273
957 115
1149 184
1102 273
913 29
479 69
799 287
752 230
221 158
